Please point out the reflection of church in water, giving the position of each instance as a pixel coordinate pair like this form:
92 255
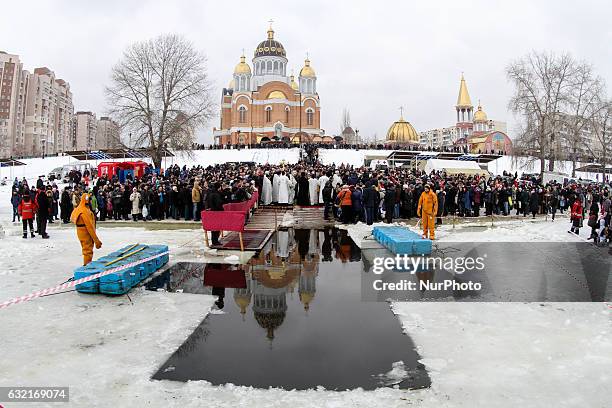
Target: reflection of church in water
288 263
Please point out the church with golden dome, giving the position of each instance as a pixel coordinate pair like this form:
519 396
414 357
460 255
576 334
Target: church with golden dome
473 132
402 133
263 104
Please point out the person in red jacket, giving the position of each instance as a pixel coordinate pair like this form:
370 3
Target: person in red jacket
576 216
27 208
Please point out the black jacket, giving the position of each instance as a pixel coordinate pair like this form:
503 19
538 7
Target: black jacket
214 200
369 197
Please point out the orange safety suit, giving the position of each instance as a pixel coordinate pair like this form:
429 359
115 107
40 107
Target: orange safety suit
427 210
86 228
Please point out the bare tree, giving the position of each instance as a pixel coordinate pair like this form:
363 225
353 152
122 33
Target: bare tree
583 105
160 93
601 128
346 120
542 82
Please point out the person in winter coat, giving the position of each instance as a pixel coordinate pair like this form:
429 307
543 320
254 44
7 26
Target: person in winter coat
356 197
427 210
525 201
406 202
117 195
42 215
160 203
101 200
135 198
488 200
369 202
346 204
214 202
389 202
176 202
534 203
441 201
55 206
27 209
467 201
66 205
15 200
594 220
576 216
85 222
327 195
477 198
126 205
303 187
196 198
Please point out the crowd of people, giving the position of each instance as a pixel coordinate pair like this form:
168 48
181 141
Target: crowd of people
347 193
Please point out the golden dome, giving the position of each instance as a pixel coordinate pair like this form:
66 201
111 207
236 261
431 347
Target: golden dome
463 100
232 84
242 67
293 84
307 70
402 132
276 95
480 115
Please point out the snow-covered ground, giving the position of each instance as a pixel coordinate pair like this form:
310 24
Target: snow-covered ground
106 349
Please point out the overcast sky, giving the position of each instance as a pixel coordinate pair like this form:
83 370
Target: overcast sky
369 56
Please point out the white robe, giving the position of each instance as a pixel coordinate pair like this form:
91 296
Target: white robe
336 180
313 185
322 181
275 187
283 189
266 191
292 184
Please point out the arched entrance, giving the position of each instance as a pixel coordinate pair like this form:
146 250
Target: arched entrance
278 131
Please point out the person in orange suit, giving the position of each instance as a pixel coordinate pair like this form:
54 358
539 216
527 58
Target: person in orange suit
427 210
85 222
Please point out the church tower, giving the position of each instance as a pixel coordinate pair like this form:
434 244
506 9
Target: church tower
464 109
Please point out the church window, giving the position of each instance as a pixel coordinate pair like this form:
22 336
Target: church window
242 114
276 67
309 117
269 114
287 115
269 68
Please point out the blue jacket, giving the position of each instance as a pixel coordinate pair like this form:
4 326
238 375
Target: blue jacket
356 198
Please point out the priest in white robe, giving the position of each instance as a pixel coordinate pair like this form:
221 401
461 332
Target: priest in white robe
322 181
283 188
266 190
313 190
275 187
292 185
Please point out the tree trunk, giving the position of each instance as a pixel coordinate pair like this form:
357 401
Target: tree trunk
551 161
156 156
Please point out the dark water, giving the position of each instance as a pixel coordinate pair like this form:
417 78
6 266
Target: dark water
293 318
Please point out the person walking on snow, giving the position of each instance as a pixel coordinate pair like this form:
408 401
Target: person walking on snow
83 218
576 216
27 209
427 210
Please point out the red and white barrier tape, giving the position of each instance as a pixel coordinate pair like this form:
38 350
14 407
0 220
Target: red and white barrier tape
73 283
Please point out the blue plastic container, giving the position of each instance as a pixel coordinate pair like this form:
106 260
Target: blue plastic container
400 240
120 282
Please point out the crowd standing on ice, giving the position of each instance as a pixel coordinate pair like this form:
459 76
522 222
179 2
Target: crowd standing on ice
349 194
